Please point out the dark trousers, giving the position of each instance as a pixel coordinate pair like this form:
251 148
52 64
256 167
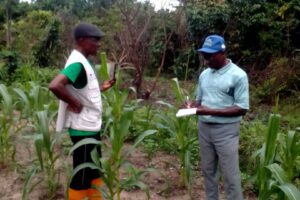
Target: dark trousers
83 178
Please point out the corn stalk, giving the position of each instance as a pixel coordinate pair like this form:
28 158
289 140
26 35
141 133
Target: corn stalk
7 123
44 142
290 148
179 129
272 180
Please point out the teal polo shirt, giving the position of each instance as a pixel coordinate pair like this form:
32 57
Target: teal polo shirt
223 88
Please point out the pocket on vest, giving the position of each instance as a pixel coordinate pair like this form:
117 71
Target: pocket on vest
93 84
94 97
90 118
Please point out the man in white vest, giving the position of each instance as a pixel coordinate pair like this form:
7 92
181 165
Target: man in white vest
80 107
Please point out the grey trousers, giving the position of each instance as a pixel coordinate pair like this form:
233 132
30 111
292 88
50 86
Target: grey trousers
219 147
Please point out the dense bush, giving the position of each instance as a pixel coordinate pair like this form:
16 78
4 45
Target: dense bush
27 73
280 77
38 38
9 64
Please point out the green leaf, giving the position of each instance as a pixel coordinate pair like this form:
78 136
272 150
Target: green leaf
142 136
85 142
278 173
83 166
103 68
290 191
38 142
28 178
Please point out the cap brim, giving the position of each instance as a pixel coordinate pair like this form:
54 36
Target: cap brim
98 34
207 50
101 34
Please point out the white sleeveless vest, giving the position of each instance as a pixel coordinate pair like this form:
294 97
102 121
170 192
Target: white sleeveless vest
89 119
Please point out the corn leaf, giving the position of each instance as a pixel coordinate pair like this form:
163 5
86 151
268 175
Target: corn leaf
38 142
278 173
290 191
7 101
83 166
85 142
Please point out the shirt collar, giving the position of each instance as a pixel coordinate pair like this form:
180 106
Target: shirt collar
224 69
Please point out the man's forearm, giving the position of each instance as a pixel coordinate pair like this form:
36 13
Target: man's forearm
226 112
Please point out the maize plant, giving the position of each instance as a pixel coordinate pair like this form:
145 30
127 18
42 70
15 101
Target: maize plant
32 97
290 151
272 180
181 129
44 141
7 124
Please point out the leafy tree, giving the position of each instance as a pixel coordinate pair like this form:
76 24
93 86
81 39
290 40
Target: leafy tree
38 37
44 51
50 5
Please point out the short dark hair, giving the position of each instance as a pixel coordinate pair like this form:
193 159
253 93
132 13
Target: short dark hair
84 29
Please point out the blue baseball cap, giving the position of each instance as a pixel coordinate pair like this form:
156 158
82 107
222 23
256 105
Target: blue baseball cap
213 44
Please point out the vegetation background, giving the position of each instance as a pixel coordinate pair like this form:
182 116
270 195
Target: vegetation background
158 65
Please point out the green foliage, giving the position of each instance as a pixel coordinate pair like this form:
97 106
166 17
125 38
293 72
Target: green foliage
32 101
204 19
281 77
252 135
162 26
50 5
29 175
44 52
111 24
27 73
7 122
255 31
272 177
185 64
47 156
9 66
180 132
290 152
290 110
32 97
38 38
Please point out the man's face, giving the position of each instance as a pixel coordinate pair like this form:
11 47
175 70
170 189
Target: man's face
213 60
90 44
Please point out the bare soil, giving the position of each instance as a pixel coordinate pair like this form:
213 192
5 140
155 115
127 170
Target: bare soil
164 184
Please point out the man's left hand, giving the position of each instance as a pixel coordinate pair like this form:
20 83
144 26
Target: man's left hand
108 84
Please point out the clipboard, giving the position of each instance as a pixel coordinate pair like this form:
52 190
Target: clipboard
186 112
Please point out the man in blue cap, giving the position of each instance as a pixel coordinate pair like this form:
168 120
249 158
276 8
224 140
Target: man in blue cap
222 98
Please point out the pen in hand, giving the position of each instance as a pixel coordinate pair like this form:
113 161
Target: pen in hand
187 102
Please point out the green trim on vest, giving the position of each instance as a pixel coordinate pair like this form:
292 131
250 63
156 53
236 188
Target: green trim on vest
74 132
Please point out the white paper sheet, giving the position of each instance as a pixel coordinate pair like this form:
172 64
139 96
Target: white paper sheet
186 111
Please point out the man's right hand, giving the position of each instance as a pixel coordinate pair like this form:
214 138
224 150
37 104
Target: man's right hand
190 104
75 108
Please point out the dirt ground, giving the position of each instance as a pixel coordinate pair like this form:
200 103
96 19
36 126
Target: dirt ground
164 185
